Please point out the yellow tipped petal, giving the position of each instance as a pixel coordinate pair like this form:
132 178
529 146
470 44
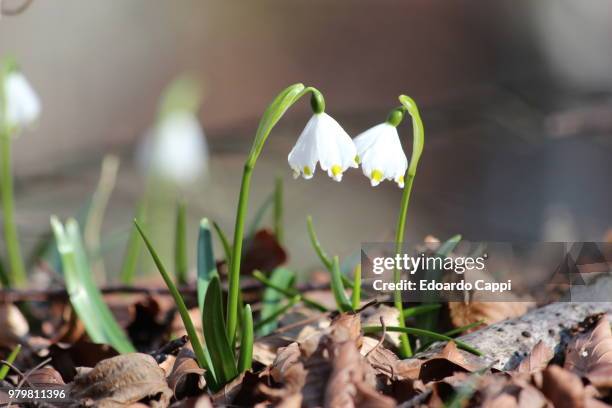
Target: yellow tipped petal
307 171
377 176
336 170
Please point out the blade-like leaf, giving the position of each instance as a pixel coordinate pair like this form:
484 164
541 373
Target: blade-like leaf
338 287
289 293
224 242
10 360
202 355
245 360
447 247
278 313
207 268
132 253
180 245
215 334
259 215
84 295
421 309
356 295
282 278
325 259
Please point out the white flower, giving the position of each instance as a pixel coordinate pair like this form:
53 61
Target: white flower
381 155
177 149
323 140
22 104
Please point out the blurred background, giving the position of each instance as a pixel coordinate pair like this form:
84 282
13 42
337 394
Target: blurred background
515 96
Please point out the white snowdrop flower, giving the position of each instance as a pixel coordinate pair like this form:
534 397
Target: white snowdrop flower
176 149
22 106
380 152
323 140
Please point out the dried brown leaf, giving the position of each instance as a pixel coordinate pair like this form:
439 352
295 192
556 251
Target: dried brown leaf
262 253
186 377
449 361
121 381
390 317
46 377
537 360
14 326
590 354
465 313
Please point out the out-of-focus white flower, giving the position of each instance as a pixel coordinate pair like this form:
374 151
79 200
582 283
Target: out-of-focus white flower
22 104
381 155
176 149
323 140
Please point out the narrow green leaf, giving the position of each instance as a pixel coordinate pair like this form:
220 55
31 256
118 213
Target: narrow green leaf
448 246
289 293
10 360
452 333
180 245
421 309
202 355
84 295
277 313
421 332
4 279
338 287
245 360
356 295
132 253
227 248
278 210
325 259
215 334
282 278
207 267
259 215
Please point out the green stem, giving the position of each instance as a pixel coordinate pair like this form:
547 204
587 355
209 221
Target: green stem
278 209
418 135
290 294
270 118
17 272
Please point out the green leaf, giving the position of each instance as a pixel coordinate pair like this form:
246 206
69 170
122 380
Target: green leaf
84 295
245 360
423 333
282 278
421 309
338 287
227 248
207 267
10 360
277 313
448 246
180 245
314 240
278 210
452 333
289 293
215 334
259 214
4 279
132 253
202 355
356 295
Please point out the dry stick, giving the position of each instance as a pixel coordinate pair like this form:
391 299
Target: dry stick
505 344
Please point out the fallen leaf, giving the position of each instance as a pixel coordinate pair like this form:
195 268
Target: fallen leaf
15 328
122 380
46 377
262 253
565 389
65 357
390 317
590 354
447 362
186 378
537 360
466 313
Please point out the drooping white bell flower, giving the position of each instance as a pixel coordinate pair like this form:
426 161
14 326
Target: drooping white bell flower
323 140
22 104
176 149
381 155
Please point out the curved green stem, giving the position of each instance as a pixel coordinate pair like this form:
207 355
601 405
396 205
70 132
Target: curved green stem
418 136
270 118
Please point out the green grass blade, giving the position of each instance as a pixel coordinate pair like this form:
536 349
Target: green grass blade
448 246
421 309
423 333
132 253
202 355
282 278
314 240
4 279
289 293
452 333
10 360
278 210
259 215
356 295
338 287
245 359
180 245
207 267
277 313
227 248
84 295
215 334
